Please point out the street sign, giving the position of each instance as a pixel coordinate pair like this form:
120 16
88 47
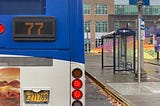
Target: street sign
142 26
134 2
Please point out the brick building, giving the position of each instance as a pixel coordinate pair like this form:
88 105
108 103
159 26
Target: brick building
102 16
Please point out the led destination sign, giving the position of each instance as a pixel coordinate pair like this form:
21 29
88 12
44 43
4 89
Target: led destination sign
34 28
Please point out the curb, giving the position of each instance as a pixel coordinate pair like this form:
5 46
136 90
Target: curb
110 91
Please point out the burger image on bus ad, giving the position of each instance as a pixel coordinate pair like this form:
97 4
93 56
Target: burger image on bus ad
9 86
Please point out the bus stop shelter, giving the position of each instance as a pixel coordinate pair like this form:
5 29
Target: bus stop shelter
123 50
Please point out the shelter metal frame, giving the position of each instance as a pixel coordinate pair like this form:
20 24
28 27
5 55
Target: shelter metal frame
117 35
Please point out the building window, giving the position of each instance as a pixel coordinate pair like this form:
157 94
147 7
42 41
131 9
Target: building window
151 10
87 26
116 25
146 10
119 10
130 10
86 8
133 10
98 42
100 9
87 38
101 26
126 9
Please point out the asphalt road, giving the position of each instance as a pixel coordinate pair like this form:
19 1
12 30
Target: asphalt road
94 97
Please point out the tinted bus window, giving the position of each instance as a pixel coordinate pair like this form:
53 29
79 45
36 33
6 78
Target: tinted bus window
22 6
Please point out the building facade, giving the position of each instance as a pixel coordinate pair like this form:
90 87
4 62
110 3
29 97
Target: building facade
103 16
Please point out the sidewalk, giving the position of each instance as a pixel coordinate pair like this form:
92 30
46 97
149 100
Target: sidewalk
147 93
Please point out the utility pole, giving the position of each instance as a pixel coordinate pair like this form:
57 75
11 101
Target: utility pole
141 71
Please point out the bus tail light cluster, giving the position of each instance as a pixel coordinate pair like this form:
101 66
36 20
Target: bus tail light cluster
77 85
2 28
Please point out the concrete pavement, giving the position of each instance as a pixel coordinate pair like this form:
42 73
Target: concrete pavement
147 93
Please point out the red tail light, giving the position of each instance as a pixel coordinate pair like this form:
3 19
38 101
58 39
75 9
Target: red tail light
77 94
2 28
77 84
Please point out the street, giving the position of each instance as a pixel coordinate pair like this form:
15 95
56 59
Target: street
94 97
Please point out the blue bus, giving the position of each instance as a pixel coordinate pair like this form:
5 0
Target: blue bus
42 53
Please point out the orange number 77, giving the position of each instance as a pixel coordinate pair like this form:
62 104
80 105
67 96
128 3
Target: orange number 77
33 24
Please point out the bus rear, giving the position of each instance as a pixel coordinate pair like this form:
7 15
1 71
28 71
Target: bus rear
41 53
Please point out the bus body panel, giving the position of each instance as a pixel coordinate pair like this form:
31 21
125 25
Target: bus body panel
51 78
61 14
77 30
69 30
56 54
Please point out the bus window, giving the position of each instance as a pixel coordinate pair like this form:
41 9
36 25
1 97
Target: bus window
22 6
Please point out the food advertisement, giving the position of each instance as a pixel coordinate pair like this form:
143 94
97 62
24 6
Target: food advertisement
9 86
